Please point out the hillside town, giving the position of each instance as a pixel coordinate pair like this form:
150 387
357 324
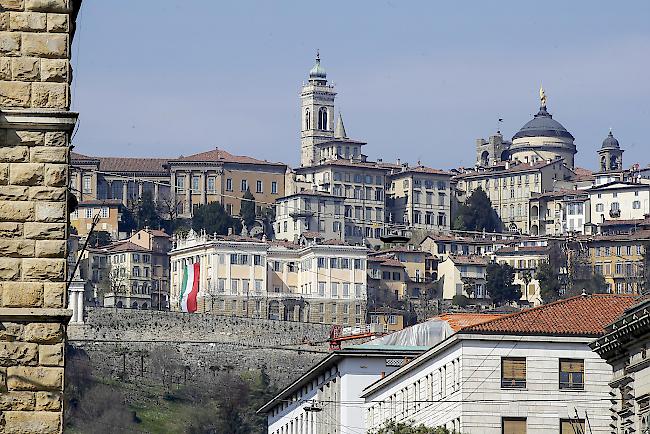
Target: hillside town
535 257
329 291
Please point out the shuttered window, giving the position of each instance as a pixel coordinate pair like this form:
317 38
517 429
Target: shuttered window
513 425
572 374
513 372
572 426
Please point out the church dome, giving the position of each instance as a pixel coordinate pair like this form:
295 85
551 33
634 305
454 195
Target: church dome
543 125
317 72
610 142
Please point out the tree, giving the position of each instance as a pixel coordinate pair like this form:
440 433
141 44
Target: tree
477 214
147 212
499 278
459 300
550 275
247 212
128 222
99 239
213 218
392 427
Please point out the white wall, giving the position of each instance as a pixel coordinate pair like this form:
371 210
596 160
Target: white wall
541 402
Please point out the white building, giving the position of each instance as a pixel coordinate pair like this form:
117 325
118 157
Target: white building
323 399
529 372
619 201
309 211
324 283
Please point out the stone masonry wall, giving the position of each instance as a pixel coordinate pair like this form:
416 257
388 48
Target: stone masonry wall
35 127
120 343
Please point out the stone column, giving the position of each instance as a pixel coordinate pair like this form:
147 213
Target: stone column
203 188
155 191
125 191
79 181
140 188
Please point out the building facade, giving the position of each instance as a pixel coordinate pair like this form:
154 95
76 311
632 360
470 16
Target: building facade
531 371
463 275
324 283
108 211
559 212
619 200
308 212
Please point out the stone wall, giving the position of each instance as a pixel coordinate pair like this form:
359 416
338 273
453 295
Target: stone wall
120 343
35 127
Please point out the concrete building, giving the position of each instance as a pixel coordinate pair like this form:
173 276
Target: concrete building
323 283
531 371
463 275
510 187
308 212
314 403
625 347
559 212
619 200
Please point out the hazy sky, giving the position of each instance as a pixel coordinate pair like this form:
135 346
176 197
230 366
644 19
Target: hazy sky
420 80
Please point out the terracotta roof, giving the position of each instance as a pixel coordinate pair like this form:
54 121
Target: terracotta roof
125 246
469 260
636 235
584 315
312 234
390 262
625 222
101 202
459 321
124 164
219 155
158 233
423 169
583 174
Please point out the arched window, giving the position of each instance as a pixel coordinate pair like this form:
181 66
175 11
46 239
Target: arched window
322 119
307 119
603 163
613 164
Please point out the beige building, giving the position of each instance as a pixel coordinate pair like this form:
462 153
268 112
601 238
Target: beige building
420 197
324 283
309 212
219 176
463 275
510 187
110 217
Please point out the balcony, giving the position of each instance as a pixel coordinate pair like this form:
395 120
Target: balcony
301 213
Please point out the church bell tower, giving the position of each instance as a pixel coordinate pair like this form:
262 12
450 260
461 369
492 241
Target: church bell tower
317 113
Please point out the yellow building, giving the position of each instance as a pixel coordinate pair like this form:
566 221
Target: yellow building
324 283
109 212
524 260
619 258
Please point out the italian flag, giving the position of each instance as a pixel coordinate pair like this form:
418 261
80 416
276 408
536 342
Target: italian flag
190 287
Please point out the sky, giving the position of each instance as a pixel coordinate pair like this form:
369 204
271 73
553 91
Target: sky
416 80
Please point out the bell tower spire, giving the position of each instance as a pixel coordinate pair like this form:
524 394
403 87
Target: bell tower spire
317 112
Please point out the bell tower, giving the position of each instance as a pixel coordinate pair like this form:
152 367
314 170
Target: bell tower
316 113
610 155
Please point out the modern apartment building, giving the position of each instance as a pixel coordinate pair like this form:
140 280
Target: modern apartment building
240 276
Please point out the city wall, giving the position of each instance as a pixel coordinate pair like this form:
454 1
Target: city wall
123 343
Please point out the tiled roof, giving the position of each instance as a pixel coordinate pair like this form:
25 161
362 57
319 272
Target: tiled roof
459 321
584 315
125 246
636 235
514 168
583 174
158 233
423 169
123 164
219 155
625 222
390 262
469 260
561 193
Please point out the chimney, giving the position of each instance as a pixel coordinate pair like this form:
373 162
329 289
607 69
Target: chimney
507 165
383 374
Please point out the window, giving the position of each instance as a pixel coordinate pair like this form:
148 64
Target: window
335 289
322 119
274 187
89 213
636 204
244 185
258 187
87 188
257 259
392 319
211 183
572 374
104 212
513 372
233 258
513 425
136 271
195 184
346 290
229 184
572 426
